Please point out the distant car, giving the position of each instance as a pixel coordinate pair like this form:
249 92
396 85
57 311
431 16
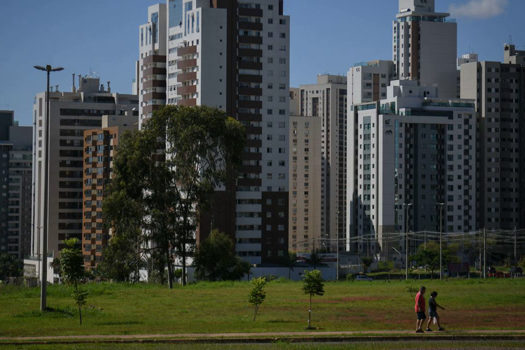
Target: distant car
363 278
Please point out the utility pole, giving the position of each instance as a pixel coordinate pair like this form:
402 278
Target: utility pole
337 263
406 239
441 240
43 287
515 246
484 253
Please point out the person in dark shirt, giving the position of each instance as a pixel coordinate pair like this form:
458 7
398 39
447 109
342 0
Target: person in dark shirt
432 311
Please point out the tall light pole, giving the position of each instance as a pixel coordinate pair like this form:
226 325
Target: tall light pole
43 285
406 238
441 240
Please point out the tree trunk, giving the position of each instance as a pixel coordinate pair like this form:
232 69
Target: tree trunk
80 314
184 265
170 268
310 313
255 312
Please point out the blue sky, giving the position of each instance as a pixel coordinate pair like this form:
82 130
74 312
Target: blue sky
327 36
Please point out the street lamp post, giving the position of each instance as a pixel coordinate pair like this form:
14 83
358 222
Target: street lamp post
43 285
441 240
406 239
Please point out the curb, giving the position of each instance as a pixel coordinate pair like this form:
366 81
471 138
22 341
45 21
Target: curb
270 340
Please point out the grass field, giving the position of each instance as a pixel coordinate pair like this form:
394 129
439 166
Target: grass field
223 308
279 346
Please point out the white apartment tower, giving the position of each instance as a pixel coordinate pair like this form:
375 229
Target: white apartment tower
367 82
70 114
425 46
415 157
234 55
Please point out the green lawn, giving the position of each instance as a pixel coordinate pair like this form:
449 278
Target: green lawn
223 307
282 346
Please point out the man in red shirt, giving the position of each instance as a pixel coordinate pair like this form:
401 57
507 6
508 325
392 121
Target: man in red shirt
420 309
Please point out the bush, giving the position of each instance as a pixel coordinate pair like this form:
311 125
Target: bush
384 266
350 277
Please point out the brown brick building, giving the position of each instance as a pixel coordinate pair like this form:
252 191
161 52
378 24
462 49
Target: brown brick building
100 146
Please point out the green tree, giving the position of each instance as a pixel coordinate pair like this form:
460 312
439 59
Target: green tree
215 259
204 148
173 166
367 262
72 265
428 255
313 285
10 266
257 294
124 209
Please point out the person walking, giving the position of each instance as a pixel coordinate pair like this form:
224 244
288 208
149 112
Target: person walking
432 312
420 309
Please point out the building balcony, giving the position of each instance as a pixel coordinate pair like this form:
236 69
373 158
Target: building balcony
250 78
249 117
188 102
251 156
154 59
154 96
182 77
150 108
249 39
154 71
186 90
250 65
250 53
253 130
148 84
250 12
249 182
187 50
250 169
250 104
254 143
250 26
250 91
189 63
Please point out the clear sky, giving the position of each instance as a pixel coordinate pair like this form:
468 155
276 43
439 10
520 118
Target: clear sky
328 36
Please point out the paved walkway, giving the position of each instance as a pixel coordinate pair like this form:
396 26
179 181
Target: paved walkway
272 336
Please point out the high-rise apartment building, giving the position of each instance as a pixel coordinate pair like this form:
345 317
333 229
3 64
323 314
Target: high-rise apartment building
468 58
151 73
234 55
415 153
499 92
367 82
15 186
305 184
70 114
425 46
100 148
327 100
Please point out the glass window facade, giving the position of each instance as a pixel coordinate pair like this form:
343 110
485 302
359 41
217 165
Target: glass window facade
175 13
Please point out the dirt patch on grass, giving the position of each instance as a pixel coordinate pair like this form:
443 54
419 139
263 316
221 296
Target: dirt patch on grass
321 300
486 318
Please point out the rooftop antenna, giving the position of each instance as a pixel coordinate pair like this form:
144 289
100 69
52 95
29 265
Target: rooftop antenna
510 39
